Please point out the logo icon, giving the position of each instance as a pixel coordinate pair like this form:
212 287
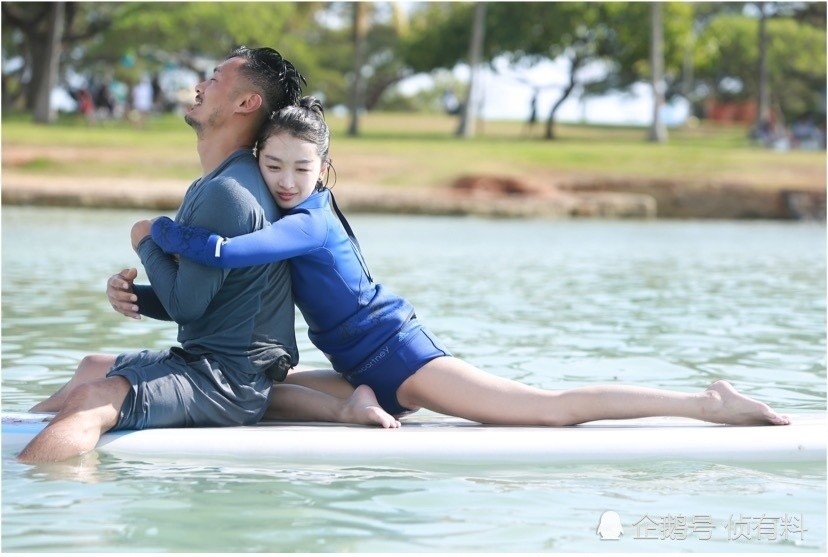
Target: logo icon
609 527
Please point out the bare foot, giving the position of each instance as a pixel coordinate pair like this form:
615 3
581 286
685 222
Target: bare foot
362 408
728 406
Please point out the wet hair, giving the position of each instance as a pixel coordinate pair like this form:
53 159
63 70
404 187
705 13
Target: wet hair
304 121
276 79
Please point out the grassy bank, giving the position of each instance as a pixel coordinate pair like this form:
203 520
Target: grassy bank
416 151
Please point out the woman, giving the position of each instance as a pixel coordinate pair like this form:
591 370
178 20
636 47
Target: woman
372 336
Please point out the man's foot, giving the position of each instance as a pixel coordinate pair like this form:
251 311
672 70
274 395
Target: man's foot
362 408
728 406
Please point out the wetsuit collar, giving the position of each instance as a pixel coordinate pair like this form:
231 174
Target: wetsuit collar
235 155
315 200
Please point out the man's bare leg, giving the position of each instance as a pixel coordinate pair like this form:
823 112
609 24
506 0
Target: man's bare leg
89 410
91 368
295 402
341 403
454 387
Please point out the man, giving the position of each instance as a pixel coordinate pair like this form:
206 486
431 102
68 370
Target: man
236 328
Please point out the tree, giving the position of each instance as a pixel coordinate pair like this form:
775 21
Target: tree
763 111
658 131
43 113
469 118
42 33
628 46
726 61
581 33
374 66
360 30
522 32
159 32
98 35
613 35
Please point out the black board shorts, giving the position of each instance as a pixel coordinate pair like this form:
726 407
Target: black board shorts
174 388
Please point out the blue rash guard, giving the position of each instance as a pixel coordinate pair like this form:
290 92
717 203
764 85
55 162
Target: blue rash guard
351 319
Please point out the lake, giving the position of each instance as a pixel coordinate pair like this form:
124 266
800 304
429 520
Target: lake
557 304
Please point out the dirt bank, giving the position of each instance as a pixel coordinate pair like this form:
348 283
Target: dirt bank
474 195
551 196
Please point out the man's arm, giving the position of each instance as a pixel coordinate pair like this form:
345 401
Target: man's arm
185 289
149 304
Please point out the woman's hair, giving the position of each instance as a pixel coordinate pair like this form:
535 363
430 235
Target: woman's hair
304 121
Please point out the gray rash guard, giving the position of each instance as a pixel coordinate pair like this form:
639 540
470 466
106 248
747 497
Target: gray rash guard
242 318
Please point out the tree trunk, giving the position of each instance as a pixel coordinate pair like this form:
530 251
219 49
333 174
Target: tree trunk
763 108
468 120
575 65
43 113
400 17
360 24
658 131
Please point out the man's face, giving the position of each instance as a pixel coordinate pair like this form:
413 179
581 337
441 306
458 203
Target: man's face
215 97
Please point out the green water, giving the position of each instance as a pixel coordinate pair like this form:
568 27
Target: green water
554 304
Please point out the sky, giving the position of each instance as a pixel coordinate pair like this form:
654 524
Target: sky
507 95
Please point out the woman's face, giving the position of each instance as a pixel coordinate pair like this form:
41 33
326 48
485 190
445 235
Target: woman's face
291 167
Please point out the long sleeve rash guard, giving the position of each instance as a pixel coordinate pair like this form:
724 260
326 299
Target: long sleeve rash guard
244 316
349 317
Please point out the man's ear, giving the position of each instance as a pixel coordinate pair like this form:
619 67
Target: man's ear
250 102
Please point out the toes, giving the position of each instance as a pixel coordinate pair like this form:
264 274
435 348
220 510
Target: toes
781 420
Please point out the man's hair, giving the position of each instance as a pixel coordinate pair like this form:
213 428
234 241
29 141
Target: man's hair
275 78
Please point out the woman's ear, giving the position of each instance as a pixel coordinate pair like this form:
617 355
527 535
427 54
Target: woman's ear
323 170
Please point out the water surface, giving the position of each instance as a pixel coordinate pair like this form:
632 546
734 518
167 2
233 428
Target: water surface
555 304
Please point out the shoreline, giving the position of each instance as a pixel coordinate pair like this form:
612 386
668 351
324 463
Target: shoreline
486 196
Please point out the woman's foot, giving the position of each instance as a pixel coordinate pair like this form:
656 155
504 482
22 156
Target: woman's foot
362 408
728 406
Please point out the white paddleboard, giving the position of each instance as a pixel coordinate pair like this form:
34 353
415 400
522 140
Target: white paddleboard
451 440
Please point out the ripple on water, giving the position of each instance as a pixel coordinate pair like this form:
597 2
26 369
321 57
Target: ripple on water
555 304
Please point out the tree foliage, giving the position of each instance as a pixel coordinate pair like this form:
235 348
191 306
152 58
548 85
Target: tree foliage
526 33
713 45
156 32
26 36
726 54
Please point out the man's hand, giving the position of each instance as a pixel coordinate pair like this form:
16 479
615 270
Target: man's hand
140 230
120 294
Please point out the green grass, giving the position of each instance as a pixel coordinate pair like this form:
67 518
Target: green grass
410 150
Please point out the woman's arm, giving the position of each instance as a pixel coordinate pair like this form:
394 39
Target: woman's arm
291 236
184 288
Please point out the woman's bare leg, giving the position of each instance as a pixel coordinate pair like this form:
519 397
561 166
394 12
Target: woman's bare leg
91 368
295 402
451 386
324 380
